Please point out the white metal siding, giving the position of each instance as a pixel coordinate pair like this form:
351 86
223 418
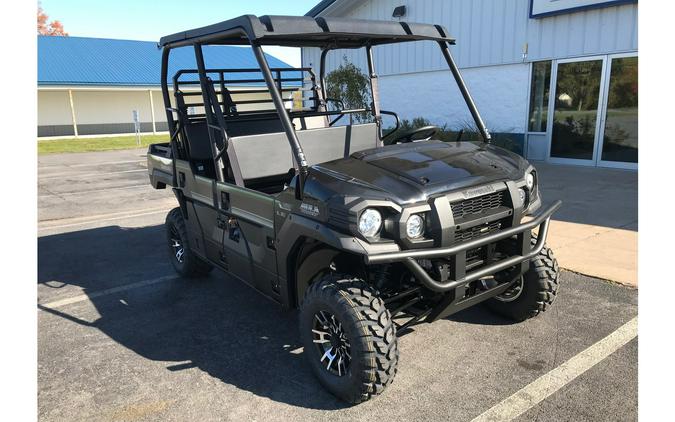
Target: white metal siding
494 32
499 93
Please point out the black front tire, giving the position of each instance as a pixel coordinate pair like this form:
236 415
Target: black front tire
368 329
533 293
184 261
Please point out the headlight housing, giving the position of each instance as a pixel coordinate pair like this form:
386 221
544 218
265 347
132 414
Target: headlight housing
530 181
370 222
414 227
523 197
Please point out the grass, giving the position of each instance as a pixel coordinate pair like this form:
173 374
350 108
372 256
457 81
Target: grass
97 144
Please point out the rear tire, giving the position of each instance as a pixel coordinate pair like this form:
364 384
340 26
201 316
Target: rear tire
184 261
533 293
360 359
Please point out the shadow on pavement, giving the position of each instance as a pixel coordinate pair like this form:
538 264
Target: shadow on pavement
216 324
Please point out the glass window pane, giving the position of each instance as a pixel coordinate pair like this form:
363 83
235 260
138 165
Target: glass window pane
576 109
539 87
620 142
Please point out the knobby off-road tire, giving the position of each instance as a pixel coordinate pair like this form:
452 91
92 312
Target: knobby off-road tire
363 322
184 261
539 287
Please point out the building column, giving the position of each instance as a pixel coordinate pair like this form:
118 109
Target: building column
72 111
152 113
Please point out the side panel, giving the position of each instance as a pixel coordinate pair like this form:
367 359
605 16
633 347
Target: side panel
249 241
160 165
206 236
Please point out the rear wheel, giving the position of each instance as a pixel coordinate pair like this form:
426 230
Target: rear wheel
184 261
349 337
533 292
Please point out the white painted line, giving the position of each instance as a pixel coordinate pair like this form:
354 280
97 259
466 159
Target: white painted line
74 175
101 219
544 386
81 298
88 164
82 192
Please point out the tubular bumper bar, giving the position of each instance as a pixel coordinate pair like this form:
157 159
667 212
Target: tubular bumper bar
523 232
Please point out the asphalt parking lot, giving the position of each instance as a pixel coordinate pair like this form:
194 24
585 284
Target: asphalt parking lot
121 338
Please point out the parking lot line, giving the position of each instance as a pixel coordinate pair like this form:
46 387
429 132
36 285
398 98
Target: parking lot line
544 386
89 296
91 164
84 192
71 175
101 218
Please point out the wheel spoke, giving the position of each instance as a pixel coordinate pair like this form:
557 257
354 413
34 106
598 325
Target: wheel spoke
331 342
324 337
331 357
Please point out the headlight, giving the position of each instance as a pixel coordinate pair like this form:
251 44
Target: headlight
370 222
529 180
414 227
523 197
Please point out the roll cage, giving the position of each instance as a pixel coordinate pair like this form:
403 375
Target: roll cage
221 116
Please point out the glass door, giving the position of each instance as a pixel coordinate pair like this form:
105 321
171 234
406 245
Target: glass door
619 131
574 120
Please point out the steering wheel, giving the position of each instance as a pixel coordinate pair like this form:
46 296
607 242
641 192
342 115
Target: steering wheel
417 134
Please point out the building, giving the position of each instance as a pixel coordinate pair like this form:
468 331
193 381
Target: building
92 86
559 77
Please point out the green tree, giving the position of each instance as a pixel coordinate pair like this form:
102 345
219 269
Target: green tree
350 86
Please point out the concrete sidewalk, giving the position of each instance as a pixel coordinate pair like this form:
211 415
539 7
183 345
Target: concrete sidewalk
595 232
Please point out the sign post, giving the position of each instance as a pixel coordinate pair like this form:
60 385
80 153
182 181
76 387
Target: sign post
137 126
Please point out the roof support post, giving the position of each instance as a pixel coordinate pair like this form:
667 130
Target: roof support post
208 110
322 78
72 112
171 124
284 117
375 90
465 92
152 113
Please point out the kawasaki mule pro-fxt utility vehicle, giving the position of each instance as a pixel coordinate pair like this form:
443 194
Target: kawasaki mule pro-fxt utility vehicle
365 233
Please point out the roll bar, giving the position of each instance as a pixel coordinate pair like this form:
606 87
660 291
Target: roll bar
214 113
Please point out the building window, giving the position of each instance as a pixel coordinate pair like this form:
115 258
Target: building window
539 88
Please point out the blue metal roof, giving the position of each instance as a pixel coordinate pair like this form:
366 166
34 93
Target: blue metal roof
107 62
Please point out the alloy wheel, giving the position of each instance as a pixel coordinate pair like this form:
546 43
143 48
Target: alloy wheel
176 245
332 343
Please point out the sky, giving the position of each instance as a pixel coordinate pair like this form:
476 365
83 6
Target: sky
150 20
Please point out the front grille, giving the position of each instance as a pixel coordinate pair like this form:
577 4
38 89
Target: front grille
477 231
479 204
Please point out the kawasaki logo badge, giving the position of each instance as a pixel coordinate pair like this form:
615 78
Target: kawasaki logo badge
483 190
309 209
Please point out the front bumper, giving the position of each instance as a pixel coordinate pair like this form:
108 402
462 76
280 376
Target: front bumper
459 277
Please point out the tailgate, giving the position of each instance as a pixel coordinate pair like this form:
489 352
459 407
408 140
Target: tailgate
160 165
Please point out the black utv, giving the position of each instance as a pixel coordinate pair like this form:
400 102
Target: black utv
366 233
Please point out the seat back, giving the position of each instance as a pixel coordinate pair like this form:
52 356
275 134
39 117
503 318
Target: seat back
327 144
254 127
270 154
197 135
262 155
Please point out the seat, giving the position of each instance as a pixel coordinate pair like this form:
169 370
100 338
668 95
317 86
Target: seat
199 143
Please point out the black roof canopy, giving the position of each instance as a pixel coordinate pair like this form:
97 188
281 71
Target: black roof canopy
306 31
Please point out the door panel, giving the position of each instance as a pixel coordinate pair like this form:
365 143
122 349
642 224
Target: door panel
575 114
248 236
620 134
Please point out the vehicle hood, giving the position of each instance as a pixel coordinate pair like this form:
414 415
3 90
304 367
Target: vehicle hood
414 172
